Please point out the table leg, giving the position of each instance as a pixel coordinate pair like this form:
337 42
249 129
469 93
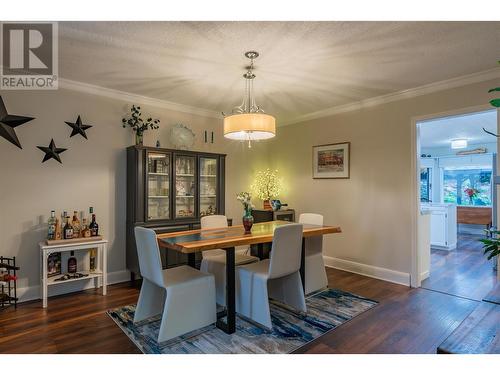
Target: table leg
192 260
230 325
303 264
260 251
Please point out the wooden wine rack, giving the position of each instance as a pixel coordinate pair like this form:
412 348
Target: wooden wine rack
8 293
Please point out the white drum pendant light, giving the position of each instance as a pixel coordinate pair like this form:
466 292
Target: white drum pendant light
249 122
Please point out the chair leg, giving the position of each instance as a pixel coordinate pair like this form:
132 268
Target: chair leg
252 298
150 301
288 290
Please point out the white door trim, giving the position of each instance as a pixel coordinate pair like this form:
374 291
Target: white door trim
415 277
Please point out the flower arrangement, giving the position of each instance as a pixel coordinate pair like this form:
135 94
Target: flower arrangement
471 193
246 200
138 125
267 185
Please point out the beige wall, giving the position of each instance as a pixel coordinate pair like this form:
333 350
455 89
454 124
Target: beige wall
93 172
374 206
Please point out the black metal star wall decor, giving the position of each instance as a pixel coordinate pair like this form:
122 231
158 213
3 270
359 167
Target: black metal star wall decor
9 122
78 127
51 152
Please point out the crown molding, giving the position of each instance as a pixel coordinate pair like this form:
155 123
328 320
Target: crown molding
135 98
404 94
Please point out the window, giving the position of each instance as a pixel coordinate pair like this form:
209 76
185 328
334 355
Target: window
467 187
425 184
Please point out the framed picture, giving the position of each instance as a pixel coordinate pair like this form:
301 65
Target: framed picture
54 264
331 161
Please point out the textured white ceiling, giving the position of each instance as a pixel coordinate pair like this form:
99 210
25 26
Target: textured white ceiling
440 132
304 66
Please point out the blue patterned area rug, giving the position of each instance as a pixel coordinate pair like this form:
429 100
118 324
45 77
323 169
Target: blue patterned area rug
325 311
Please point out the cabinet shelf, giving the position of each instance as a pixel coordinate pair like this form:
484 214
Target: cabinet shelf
184 175
208 196
52 280
157 174
158 196
185 196
208 175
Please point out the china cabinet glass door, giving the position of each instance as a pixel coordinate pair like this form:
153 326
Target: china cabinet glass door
185 186
208 186
158 180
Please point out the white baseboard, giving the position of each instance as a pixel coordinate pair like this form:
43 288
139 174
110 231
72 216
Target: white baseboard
33 292
385 274
424 275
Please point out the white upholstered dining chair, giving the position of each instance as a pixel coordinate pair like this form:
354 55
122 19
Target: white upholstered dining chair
183 295
315 273
277 278
214 261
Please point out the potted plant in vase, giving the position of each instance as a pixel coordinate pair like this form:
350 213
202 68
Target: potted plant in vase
138 125
267 185
246 200
491 246
471 193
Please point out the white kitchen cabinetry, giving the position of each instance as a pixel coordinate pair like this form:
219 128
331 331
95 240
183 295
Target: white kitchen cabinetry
443 225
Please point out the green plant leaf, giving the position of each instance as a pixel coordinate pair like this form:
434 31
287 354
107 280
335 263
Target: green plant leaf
495 102
495 89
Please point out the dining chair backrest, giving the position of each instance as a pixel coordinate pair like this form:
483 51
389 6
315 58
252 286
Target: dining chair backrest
286 250
213 221
314 219
314 245
148 253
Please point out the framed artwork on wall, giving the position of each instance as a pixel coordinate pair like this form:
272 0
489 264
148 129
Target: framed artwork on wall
331 161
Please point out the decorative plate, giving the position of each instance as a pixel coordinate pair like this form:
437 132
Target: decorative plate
182 137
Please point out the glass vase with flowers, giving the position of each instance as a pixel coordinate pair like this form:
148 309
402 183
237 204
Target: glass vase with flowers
246 200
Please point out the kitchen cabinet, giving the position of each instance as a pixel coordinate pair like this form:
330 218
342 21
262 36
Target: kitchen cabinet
443 225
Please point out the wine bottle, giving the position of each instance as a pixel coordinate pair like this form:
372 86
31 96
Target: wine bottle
93 260
51 234
76 225
8 277
58 233
94 227
5 266
85 229
6 298
68 230
72 263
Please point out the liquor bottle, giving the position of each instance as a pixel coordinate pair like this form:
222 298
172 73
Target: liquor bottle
93 260
68 230
58 233
72 263
85 229
51 235
94 227
76 225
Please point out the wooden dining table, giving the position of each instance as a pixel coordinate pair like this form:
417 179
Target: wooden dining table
193 241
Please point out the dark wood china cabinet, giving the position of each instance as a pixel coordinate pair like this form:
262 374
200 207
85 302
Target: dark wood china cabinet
169 191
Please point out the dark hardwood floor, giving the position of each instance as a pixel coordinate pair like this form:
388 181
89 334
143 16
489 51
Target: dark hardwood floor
463 272
405 321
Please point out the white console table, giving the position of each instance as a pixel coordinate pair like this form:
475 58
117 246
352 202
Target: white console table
100 274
